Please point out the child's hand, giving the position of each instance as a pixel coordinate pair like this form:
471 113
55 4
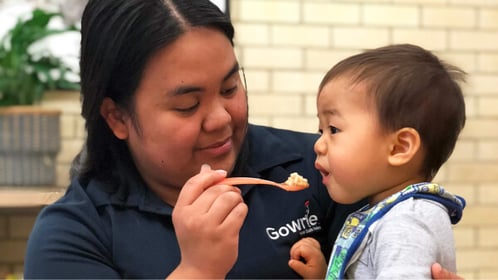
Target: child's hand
307 259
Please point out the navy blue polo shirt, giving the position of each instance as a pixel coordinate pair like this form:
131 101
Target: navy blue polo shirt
93 233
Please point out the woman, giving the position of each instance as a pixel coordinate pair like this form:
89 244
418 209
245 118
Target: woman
163 99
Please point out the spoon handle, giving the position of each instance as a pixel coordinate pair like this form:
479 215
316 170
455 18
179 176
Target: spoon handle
254 181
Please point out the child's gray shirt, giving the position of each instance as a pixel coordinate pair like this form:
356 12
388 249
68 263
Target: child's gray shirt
405 242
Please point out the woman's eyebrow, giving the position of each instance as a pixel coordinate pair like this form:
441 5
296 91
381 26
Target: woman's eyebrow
181 90
233 70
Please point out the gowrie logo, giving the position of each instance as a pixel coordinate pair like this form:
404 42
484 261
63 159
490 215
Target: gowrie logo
304 225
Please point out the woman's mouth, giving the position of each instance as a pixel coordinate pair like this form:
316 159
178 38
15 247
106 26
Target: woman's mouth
219 148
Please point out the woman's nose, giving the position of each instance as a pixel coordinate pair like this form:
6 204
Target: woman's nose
217 117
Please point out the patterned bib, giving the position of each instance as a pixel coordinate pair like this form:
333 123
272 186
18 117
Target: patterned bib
347 247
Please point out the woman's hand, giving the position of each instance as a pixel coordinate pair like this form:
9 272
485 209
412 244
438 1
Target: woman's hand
307 259
207 219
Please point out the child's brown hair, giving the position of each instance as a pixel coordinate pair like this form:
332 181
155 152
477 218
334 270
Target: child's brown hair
411 87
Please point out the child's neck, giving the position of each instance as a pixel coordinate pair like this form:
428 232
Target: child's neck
378 197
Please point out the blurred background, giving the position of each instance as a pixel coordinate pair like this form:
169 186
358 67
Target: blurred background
286 46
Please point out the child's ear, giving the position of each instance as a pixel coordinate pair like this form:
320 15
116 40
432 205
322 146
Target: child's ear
114 118
405 145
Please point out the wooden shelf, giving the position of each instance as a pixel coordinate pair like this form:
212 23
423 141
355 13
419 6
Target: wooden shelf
20 196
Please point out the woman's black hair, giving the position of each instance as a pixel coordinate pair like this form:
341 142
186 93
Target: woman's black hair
118 37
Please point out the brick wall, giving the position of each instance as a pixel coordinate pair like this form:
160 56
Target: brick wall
287 45
15 226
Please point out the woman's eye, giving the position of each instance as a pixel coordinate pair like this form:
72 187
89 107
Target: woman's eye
229 91
188 109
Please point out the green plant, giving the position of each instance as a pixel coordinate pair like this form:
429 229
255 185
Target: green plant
24 76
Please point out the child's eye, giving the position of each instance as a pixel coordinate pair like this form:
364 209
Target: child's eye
333 129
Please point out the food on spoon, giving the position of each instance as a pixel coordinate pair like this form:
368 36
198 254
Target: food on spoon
297 180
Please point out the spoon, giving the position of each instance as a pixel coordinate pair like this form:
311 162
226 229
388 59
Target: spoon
252 181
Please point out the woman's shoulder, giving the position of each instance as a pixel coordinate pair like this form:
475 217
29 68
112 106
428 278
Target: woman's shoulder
291 137
70 228
75 204
262 129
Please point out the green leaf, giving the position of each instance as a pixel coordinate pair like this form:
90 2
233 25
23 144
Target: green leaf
20 73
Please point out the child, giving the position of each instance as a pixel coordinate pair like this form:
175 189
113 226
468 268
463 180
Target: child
388 118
